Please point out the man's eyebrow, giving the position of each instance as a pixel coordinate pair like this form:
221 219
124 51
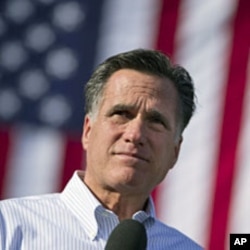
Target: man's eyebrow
119 107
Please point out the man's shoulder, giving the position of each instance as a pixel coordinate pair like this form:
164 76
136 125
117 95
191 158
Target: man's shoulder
28 204
29 199
171 237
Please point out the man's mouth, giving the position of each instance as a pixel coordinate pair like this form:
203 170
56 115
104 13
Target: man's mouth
132 155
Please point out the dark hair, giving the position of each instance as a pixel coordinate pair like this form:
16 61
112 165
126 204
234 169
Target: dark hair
151 62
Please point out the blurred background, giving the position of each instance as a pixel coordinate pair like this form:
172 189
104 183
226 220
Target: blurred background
48 49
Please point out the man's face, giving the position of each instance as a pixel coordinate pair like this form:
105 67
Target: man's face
131 142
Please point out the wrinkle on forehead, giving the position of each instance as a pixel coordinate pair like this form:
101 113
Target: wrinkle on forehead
136 97
148 90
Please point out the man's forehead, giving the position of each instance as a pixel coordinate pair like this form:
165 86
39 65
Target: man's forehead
126 79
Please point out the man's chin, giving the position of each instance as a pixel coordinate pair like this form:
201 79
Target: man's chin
130 179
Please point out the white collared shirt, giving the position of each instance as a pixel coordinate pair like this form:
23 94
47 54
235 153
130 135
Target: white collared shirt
75 219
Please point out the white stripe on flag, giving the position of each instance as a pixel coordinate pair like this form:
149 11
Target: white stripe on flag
35 161
127 25
202 44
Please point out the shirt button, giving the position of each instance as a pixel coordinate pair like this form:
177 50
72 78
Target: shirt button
92 235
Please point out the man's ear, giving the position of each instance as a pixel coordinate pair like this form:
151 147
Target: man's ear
86 131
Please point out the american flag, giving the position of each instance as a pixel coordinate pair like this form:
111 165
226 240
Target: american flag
48 49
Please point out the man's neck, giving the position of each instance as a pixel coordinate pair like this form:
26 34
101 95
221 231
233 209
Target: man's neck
124 205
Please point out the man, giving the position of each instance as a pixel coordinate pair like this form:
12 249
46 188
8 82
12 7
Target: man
137 106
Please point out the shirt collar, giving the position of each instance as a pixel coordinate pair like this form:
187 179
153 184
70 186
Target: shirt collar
82 203
86 208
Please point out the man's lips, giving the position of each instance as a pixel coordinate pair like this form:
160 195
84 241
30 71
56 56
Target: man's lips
132 155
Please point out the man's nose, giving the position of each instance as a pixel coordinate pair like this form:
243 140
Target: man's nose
135 132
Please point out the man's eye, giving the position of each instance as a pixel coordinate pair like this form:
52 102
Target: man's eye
157 122
121 116
122 113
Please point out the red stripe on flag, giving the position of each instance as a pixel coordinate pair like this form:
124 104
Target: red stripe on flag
4 152
168 26
73 160
231 125
166 40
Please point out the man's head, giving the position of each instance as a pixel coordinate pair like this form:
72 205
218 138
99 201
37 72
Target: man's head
148 61
137 105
